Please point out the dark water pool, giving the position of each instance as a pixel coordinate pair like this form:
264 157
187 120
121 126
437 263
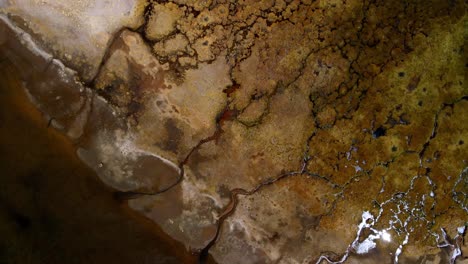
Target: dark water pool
53 209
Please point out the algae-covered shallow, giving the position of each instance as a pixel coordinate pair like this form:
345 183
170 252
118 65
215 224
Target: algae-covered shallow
262 131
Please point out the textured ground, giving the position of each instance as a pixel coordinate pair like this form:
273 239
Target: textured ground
265 131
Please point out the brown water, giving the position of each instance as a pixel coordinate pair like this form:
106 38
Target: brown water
53 209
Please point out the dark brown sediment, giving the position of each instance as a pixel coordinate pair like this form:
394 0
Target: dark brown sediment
54 209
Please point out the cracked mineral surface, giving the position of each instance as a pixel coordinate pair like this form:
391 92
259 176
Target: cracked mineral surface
267 131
